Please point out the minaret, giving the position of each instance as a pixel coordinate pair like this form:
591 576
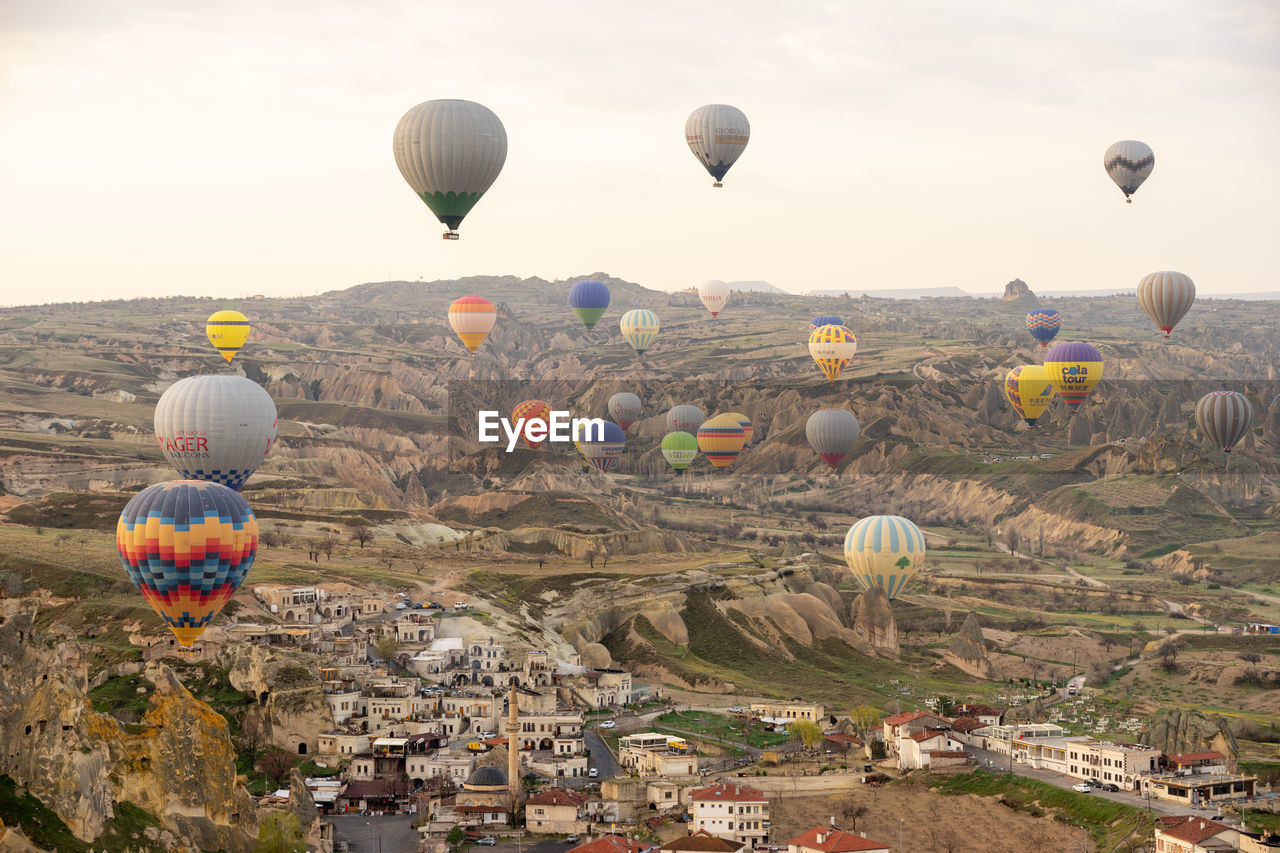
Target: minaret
513 744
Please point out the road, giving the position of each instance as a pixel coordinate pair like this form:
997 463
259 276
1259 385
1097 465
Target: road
601 758
386 834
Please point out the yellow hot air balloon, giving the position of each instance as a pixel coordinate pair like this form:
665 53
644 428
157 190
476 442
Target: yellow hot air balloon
227 331
472 318
721 439
1073 368
832 347
884 551
1028 391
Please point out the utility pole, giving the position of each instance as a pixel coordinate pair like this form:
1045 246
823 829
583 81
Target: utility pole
902 821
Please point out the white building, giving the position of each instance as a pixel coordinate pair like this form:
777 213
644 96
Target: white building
736 812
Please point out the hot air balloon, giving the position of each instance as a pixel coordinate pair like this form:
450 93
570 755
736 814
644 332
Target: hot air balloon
603 453
217 428
832 434
1073 369
1129 162
472 318
589 300
825 320
714 295
640 328
187 545
721 440
685 418
679 449
1166 297
531 410
625 408
748 428
227 331
884 551
832 347
717 135
1044 324
1224 417
1028 391
450 152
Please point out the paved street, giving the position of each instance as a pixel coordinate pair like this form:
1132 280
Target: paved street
601 757
372 834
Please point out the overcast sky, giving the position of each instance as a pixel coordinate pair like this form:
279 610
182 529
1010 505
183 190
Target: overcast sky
234 147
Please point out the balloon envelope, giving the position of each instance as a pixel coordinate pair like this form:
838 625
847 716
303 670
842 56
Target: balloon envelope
748 428
1073 369
832 347
721 439
1166 297
685 418
832 434
217 428
1224 417
1129 163
589 300
625 408
717 135
1028 390
531 410
227 331
450 152
679 449
714 295
640 327
884 551
602 453
472 318
187 546
825 320
1044 324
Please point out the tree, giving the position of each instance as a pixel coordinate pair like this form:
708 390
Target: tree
807 732
251 733
280 832
386 646
275 764
865 719
851 813
327 544
362 532
455 836
590 556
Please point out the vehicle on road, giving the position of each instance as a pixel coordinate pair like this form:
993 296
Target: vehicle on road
571 839
1082 788
488 841
1112 787
733 710
608 724
400 605
593 773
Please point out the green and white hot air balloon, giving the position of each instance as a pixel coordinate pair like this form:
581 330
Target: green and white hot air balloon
679 449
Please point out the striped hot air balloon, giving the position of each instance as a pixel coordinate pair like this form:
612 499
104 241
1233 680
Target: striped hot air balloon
589 300
187 546
1028 390
884 552
227 331
748 428
1129 163
1224 417
685 418
825 320
217 428
640 327
1166 297
832 434
1073 369
625 408
832 347
1044 324
717 135
721 439
531 410
679 449
604 451
472 318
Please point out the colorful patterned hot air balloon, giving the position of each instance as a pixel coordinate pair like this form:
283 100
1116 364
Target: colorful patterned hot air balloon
531 410
884 551
679 449
1073 369
589 300
625 408
685 418
748 428
1128 163
832 434
450 152
603 453
227 331
1028 390
717 135
1224 417
721 439
1044 324
640 328
714 295
1166 297
832 347
472 318
187 545
217 428
825 320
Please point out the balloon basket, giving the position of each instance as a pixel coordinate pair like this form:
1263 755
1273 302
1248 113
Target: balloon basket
450 235
717 184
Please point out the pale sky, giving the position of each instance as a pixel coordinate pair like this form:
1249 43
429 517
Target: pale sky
234 147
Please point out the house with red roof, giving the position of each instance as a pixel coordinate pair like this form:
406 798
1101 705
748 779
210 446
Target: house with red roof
559 810
703 842
1196 762
612 843
1191 834
739 813
828 839
915 749
899 725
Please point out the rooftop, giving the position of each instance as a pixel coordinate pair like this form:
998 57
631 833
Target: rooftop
701 842
900 719
610 844
1194 829
830 840
1192 757
724 792
557 797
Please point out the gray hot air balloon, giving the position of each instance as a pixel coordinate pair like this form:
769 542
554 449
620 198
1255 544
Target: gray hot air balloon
685 418
1224 417
717 134
832 433
450 152
1129 162
217 428
1166 297
625 408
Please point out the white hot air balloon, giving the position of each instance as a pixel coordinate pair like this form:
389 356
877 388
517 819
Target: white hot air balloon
217 428
717 134
714 295
450 152
1129 163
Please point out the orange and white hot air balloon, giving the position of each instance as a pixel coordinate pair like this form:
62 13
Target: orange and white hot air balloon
472 318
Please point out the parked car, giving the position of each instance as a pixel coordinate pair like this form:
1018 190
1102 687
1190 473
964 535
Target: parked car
593 773
400 605
571 839
734 710
1094 783
488 841
435 605
608 724
1082 788
1112 787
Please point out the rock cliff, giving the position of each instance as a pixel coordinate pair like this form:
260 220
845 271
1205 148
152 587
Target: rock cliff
872 618
1176 730
1017 290
968 651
